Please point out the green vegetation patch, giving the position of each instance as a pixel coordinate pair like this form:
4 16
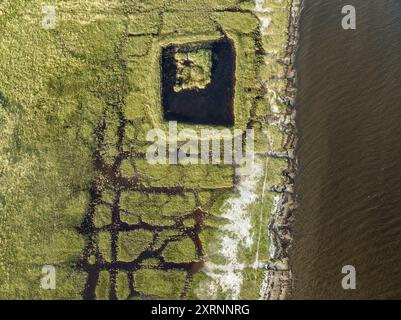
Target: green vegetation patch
122 286
190 176
194 69
104 242
103 286
102 216
180 251
132 243
156 208
144 23
160 284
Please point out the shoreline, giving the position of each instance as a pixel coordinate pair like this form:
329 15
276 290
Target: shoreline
278 280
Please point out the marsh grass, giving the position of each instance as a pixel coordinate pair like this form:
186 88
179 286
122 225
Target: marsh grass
100 65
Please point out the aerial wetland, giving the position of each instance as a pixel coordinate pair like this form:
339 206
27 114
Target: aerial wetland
77 103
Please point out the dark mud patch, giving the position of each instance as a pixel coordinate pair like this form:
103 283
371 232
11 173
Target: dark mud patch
213 104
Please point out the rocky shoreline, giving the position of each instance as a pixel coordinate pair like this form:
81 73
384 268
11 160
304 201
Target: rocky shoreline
278 280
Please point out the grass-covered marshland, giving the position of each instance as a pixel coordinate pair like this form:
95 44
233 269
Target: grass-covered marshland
75 105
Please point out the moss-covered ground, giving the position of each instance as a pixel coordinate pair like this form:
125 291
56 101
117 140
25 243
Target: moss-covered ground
76 103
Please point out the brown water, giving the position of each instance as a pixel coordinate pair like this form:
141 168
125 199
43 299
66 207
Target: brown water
349 118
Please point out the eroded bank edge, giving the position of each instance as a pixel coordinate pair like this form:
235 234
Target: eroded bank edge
278 279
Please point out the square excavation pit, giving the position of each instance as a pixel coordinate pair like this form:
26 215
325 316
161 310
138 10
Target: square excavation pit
198 81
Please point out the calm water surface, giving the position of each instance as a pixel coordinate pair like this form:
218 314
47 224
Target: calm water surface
349 118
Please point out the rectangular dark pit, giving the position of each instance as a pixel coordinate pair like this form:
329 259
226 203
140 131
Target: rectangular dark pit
207 104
